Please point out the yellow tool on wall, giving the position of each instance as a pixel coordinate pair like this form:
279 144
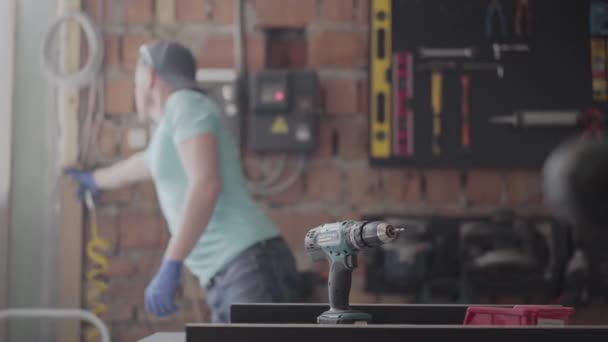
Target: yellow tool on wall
436 103
380 87
96 284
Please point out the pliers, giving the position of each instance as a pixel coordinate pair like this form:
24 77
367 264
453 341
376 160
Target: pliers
495 8
523 9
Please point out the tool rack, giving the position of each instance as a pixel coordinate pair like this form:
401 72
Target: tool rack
414 323
554 74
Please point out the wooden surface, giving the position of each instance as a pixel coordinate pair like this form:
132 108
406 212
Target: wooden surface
70 240
7 68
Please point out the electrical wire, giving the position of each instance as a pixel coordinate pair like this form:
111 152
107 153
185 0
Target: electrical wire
289 182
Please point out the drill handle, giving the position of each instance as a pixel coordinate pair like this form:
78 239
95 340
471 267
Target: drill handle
340 278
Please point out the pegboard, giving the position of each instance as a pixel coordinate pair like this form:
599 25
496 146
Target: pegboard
553 75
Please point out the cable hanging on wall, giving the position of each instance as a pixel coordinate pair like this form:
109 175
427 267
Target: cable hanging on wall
89 76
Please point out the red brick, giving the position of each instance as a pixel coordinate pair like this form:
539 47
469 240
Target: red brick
146 193
363 12
223 11
139 12
117 196
365 186
256 52
294 226
524 187
217 52
107 141
484 186
112 46
285 12
191 10
402 186
130 49
91 8
131 291
363 96
140 230
338 49
338 10
294 193
353 145
324 183
121 267
325 133
107 226
442 186
341 96
119 312
119 96
149 266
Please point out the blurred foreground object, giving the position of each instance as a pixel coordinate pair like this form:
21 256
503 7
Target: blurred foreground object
575 182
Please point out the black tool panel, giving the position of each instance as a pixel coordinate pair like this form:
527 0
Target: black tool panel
555 74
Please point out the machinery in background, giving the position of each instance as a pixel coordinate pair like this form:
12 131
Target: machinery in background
509 255
421 263
339 244
284 107
474 259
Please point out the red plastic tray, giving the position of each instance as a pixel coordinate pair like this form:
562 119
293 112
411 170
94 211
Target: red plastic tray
518 315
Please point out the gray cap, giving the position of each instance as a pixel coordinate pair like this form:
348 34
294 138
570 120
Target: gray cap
173 62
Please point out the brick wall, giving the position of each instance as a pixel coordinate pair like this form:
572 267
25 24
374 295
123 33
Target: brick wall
338 183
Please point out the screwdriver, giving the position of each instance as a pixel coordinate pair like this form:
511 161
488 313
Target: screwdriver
466 86
436 104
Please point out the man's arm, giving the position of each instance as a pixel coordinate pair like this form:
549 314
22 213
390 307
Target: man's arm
128 171
199 158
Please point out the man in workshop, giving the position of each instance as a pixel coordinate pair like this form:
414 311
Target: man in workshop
217 229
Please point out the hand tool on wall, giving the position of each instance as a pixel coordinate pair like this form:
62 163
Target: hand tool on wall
539 118
437 65
426 52
495 8
500 48
339 243
598 65
523 11
436 104
500 70
465 81
403 89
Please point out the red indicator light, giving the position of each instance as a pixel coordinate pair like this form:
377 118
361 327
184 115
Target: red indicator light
279 96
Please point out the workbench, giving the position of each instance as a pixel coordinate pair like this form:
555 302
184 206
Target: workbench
438 328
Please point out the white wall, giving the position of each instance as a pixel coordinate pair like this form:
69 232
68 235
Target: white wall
33 173
7 29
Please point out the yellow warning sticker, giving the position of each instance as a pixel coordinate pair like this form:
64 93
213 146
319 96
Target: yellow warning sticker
279 126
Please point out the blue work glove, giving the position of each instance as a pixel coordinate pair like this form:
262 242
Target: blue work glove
85 182
160 293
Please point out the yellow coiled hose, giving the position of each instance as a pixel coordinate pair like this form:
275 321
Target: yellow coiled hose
98 272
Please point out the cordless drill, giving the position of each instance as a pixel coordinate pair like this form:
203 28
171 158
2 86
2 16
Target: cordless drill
339 244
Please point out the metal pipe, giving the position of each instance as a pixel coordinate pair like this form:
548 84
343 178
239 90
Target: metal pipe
59 314
240 42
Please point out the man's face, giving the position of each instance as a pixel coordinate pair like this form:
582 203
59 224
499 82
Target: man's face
143 91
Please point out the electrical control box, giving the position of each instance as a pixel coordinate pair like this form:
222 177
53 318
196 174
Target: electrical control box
284 108
221 86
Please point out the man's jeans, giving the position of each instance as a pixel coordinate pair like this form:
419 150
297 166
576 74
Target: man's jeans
264 273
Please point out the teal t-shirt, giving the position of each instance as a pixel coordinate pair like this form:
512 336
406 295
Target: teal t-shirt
237 221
